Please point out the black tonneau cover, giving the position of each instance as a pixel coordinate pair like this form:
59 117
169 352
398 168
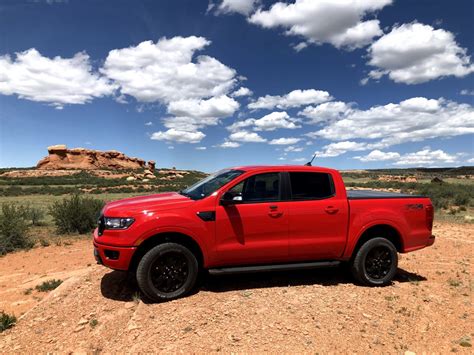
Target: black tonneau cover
371 194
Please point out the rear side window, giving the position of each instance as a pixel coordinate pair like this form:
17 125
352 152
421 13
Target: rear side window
311 186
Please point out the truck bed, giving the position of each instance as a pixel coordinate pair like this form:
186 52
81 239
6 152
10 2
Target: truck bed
371 194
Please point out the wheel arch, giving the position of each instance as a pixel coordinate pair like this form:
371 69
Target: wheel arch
382 230
168 237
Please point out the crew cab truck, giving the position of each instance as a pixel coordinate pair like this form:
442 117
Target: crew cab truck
255 218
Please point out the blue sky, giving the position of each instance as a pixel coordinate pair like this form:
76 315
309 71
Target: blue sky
205 85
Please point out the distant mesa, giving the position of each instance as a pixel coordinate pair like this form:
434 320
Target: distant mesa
60 157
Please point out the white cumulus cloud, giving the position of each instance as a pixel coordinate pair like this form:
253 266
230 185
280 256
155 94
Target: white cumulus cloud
242 91
275 120
294 98
285 141
415 53
218 107
238 125
229 144
338 22
336 149
377 155
167 71
328 111
193 88
243 7
175 135
57 81
411 120
426 157
247 137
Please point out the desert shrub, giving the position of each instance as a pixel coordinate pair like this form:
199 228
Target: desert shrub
6 321
48 285
461 200
34 215
13 229
76 214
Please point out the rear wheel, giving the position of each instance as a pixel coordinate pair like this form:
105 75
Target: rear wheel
167 271
375 263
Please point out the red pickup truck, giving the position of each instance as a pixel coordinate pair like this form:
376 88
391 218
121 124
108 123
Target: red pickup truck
256 218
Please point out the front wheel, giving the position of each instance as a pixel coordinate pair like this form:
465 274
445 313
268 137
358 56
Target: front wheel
375 263
166 272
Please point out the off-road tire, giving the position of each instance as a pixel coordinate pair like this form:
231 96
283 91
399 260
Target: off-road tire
362 264
156 259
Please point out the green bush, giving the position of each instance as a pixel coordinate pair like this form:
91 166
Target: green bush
13 229
48 285
76 214
6 321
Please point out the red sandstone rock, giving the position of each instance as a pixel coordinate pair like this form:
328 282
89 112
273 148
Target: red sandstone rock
87 159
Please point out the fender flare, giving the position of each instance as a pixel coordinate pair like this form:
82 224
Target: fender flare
352 241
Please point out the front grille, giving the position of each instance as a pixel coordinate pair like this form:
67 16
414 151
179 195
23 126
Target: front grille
101 225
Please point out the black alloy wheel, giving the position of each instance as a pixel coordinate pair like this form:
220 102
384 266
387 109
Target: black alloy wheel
167 271
378 262
375 263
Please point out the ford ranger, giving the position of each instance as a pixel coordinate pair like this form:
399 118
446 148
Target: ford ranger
256 218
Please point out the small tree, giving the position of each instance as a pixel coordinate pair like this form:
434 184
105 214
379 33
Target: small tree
76 214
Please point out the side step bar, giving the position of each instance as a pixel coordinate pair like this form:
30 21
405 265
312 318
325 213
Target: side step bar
273 267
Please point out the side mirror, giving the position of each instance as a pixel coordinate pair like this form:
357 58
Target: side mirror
230 199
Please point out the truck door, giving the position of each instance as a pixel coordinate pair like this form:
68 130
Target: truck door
254 229
318 217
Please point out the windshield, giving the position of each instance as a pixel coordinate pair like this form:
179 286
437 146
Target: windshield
210 184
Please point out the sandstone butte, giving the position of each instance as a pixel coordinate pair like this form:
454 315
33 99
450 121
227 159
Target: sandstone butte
60 157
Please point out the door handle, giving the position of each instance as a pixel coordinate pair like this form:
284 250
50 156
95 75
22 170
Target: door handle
331 210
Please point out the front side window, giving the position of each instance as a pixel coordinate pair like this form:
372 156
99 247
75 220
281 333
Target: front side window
311 186
258 188
210 184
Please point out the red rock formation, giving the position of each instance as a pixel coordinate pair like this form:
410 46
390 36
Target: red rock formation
151 165
86 159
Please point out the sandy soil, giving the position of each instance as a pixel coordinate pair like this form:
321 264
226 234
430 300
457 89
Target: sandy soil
20 272
427 309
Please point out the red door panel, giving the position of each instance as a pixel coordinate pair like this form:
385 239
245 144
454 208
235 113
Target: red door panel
252 233
318 228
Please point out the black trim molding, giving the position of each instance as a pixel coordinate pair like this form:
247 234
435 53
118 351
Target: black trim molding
207 216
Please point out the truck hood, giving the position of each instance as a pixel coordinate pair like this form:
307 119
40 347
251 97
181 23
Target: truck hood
151 203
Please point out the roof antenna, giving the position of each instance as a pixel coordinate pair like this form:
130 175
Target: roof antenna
309 163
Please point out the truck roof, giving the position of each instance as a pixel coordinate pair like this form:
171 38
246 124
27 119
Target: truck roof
283 167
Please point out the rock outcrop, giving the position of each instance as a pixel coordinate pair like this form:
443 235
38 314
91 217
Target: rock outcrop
60 157
399 178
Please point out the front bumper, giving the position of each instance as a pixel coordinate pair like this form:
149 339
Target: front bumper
118 258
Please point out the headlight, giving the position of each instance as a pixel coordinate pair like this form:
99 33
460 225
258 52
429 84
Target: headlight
117 223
